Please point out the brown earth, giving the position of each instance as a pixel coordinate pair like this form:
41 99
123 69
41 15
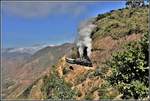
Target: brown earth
102 51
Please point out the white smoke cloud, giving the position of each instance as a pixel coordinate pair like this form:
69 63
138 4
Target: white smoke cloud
84 37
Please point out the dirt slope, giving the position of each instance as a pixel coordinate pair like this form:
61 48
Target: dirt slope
83 78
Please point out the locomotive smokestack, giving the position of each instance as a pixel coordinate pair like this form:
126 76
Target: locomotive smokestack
84 38
84 44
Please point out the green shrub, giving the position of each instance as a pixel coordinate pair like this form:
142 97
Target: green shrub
88 96
81 78
107 91
135 89
120 23
101 16
79 94
56 88
66 70
130 69
101 72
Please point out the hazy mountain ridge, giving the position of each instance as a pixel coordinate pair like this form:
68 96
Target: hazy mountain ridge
23 67
30 50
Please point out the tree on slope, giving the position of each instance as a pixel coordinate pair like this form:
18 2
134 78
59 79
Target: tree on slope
130 70
134 3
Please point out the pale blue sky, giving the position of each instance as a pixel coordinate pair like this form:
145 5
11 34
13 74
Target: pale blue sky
29 23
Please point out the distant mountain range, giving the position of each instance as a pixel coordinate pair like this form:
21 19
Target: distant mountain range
28 63
30 50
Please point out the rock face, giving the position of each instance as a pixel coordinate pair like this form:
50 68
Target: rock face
35 92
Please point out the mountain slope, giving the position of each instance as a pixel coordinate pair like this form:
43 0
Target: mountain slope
11 62
13 58
115 29
38 64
